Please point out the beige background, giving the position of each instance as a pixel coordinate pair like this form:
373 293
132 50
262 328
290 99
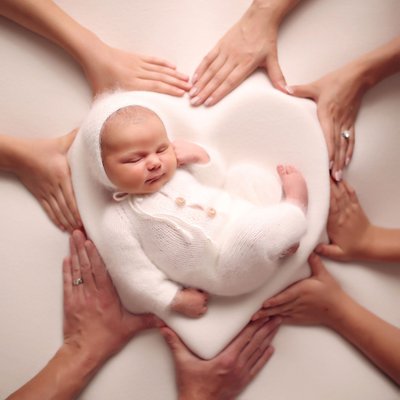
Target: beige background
43 92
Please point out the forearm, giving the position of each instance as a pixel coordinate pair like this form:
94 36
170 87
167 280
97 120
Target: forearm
381 244
274 10
64 377
378 64
375 338
48 20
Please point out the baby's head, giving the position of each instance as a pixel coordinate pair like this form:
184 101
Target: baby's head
137 155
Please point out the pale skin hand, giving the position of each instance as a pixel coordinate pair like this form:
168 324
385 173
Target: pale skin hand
352 236
42 166
348 226
226 375
319 300
312 301
96 326
190 302
250 44
106 68
189 153
339 94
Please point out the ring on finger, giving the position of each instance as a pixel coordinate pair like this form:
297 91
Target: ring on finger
77 282
346 134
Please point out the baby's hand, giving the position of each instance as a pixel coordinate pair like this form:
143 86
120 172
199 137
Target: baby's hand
190 302
189 153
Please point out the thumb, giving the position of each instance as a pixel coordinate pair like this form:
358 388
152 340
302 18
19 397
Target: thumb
315 262
308 91
275 73
332 251
179 351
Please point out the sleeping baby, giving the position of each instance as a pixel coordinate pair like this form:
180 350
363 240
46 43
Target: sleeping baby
173 233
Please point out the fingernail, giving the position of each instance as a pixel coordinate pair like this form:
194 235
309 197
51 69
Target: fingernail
347 162
338 176
209 102
289 89
195 100
193 91
330 165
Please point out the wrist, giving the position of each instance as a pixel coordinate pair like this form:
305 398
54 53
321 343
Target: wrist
273 10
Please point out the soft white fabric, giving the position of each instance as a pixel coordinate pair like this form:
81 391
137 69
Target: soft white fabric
248 149
152 245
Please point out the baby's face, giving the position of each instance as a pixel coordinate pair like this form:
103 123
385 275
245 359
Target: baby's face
138 158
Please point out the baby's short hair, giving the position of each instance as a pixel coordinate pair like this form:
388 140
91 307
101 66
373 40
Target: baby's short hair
131 114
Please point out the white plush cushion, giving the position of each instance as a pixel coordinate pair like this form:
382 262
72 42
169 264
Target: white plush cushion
252 125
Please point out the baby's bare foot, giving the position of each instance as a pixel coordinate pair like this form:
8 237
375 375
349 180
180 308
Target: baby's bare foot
293 185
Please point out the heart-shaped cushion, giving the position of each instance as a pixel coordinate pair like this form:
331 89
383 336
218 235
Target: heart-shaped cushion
253 125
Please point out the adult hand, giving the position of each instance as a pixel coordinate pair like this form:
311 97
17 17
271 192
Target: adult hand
248 45
43 168
338 97
348 226
226 375
111 69
312 301
94 318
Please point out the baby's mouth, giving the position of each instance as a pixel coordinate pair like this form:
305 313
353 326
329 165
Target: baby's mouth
154 179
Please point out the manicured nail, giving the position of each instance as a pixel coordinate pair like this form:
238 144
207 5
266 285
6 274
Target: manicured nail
338 176
289 89
209 102
193 91
195 100
347 162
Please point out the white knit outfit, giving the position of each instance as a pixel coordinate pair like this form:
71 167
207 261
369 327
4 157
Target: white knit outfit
188 233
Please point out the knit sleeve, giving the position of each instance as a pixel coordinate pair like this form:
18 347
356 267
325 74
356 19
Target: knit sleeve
141 286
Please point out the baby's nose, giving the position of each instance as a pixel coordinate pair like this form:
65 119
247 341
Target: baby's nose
154 161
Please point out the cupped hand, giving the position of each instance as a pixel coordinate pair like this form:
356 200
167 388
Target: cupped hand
117 69
226 375
312 301
189 152
94 318
248 45
338 96
348 226
44 170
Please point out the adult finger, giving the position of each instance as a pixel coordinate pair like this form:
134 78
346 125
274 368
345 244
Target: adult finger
180 353
67 281
208 76
232 81
51 214
259 342
64 209
332 251
207 95
157 86
167 71
84 262
102 279
204 64
69 195
288 295
350 192
256 368
157 61
167 79
350 147
77 282
309 91
275 73
328 130
58 213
